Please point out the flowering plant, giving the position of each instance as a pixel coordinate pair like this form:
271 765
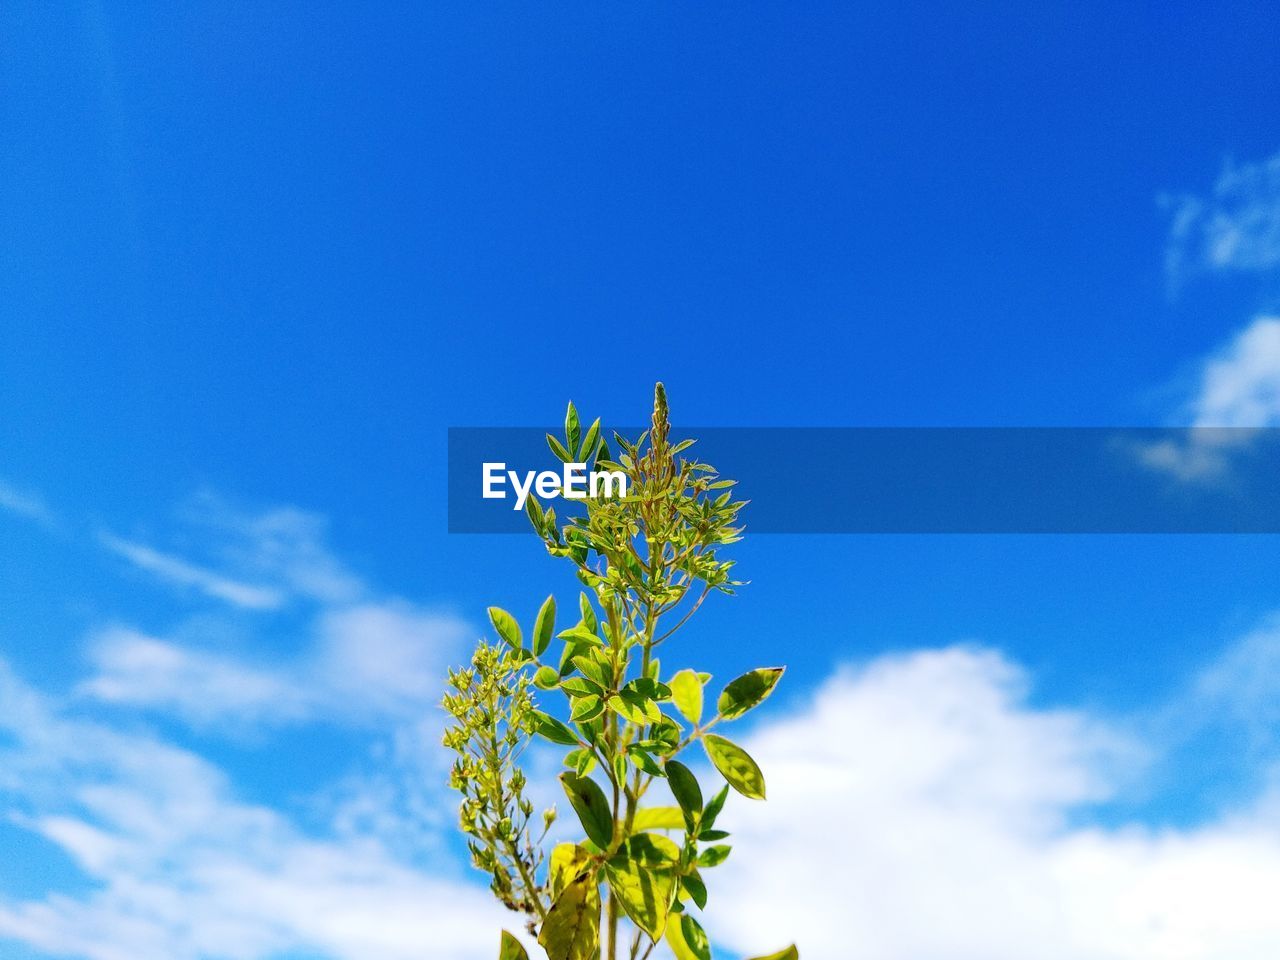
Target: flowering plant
647 559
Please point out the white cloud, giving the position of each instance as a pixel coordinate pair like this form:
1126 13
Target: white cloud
1235 228
362 657
1240 384
183 573
920 808
182 869
1237 389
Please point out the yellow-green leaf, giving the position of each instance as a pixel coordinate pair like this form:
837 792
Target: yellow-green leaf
572 928
579 634
642 875
748 691
545 626
569 861
687 940
631 706
592 669
507 627
791 953
512 949
736 766
586 708
658 818
686 693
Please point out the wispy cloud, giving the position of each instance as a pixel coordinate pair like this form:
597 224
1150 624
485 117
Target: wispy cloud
25 504
1242 687
365 663
1234 228
203 688
282 545
183 573
254 560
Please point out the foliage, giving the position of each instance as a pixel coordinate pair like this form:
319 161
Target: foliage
648 560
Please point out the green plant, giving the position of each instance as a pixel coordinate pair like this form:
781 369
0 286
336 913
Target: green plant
648 559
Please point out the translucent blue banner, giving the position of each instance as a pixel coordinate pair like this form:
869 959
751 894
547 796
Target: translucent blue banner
923 480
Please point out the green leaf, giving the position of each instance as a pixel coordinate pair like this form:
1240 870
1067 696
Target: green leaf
589 802
666 732
643 761
547 678
713 856
695 889
713 808
791 953
687 939
648 687
686 693
748 691
735 765
534 511
581 635
572 928
507 627
643 877
591 442
591 669
586 708
544 627
558 449
581 687
658 818
684 787
590 729
552 729
588 612
570 651
512 949
572 429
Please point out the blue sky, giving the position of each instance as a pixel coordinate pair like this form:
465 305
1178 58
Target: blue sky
257 261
